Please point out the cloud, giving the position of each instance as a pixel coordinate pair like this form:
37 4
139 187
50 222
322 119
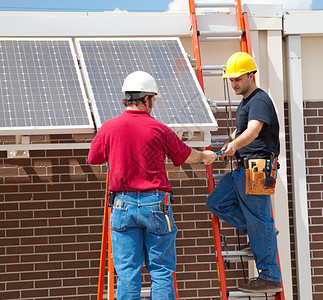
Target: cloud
118 10
182 5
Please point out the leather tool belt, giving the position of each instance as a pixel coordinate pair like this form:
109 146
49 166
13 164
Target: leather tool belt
261 175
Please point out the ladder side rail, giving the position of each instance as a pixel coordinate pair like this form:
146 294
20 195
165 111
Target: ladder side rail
110 260
103 244
175 287
243 42
209 168
219 257
247 30
195 44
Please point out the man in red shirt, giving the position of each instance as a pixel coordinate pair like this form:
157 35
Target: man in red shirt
142 225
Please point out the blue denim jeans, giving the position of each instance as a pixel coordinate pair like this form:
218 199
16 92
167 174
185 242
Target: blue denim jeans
251 214
140 232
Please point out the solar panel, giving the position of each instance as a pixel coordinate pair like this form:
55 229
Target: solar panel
41 89
107 62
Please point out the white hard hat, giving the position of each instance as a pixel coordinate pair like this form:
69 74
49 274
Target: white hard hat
140 81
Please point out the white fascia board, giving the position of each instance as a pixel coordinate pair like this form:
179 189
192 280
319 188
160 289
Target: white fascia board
257 23
264 16
94 24
263 10
303 23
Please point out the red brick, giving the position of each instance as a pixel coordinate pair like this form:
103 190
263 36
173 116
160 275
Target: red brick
34 223
46 196
18 197
57 153
10 295
39 284
8 189
32 188
33 205
60 187
19 215
34 293
8 206
22 268
19 232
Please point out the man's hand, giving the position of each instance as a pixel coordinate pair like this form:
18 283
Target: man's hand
231 148
209 157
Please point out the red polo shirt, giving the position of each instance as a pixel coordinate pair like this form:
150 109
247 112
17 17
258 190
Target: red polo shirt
135 145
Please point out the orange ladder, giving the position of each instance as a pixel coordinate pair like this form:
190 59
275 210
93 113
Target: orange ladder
242 34
106 242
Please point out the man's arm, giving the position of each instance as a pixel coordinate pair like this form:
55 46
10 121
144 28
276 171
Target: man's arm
252 131
207 157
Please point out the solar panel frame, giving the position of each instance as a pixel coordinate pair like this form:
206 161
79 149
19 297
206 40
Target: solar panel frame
188 126
20 89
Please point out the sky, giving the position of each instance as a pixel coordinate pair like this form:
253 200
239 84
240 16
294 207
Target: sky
137 6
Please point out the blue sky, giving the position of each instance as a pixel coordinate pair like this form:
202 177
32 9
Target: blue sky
132 5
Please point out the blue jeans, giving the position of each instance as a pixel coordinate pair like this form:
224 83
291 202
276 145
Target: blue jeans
140 231
251 214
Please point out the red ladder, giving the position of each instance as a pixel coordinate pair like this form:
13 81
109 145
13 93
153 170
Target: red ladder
243 35
106 242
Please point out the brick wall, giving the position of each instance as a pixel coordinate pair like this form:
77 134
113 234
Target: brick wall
313 129
51 209
51 213
313 112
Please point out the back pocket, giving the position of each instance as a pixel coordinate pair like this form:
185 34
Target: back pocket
160 223
118 219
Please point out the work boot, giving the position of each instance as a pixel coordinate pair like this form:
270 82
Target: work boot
259 285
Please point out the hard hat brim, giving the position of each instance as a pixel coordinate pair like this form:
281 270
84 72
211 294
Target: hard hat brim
232 75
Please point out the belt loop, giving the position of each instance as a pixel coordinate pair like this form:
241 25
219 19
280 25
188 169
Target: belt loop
122 193
157 192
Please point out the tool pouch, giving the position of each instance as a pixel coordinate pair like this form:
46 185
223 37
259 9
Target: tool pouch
261 176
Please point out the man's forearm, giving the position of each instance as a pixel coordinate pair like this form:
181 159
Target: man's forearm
196 156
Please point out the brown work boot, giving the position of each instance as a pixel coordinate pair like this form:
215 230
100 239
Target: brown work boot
259 285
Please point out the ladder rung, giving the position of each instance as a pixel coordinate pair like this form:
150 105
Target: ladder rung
237 255
220 33
218 144
214 67
192 61
246 295
206 5
219 138
218 176
223 109
212 73
225 102
145 292
239 258
218 39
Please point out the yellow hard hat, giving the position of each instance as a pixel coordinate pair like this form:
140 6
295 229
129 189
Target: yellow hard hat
239 63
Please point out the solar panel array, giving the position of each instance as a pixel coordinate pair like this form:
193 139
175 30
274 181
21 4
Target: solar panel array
41 88
108 61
